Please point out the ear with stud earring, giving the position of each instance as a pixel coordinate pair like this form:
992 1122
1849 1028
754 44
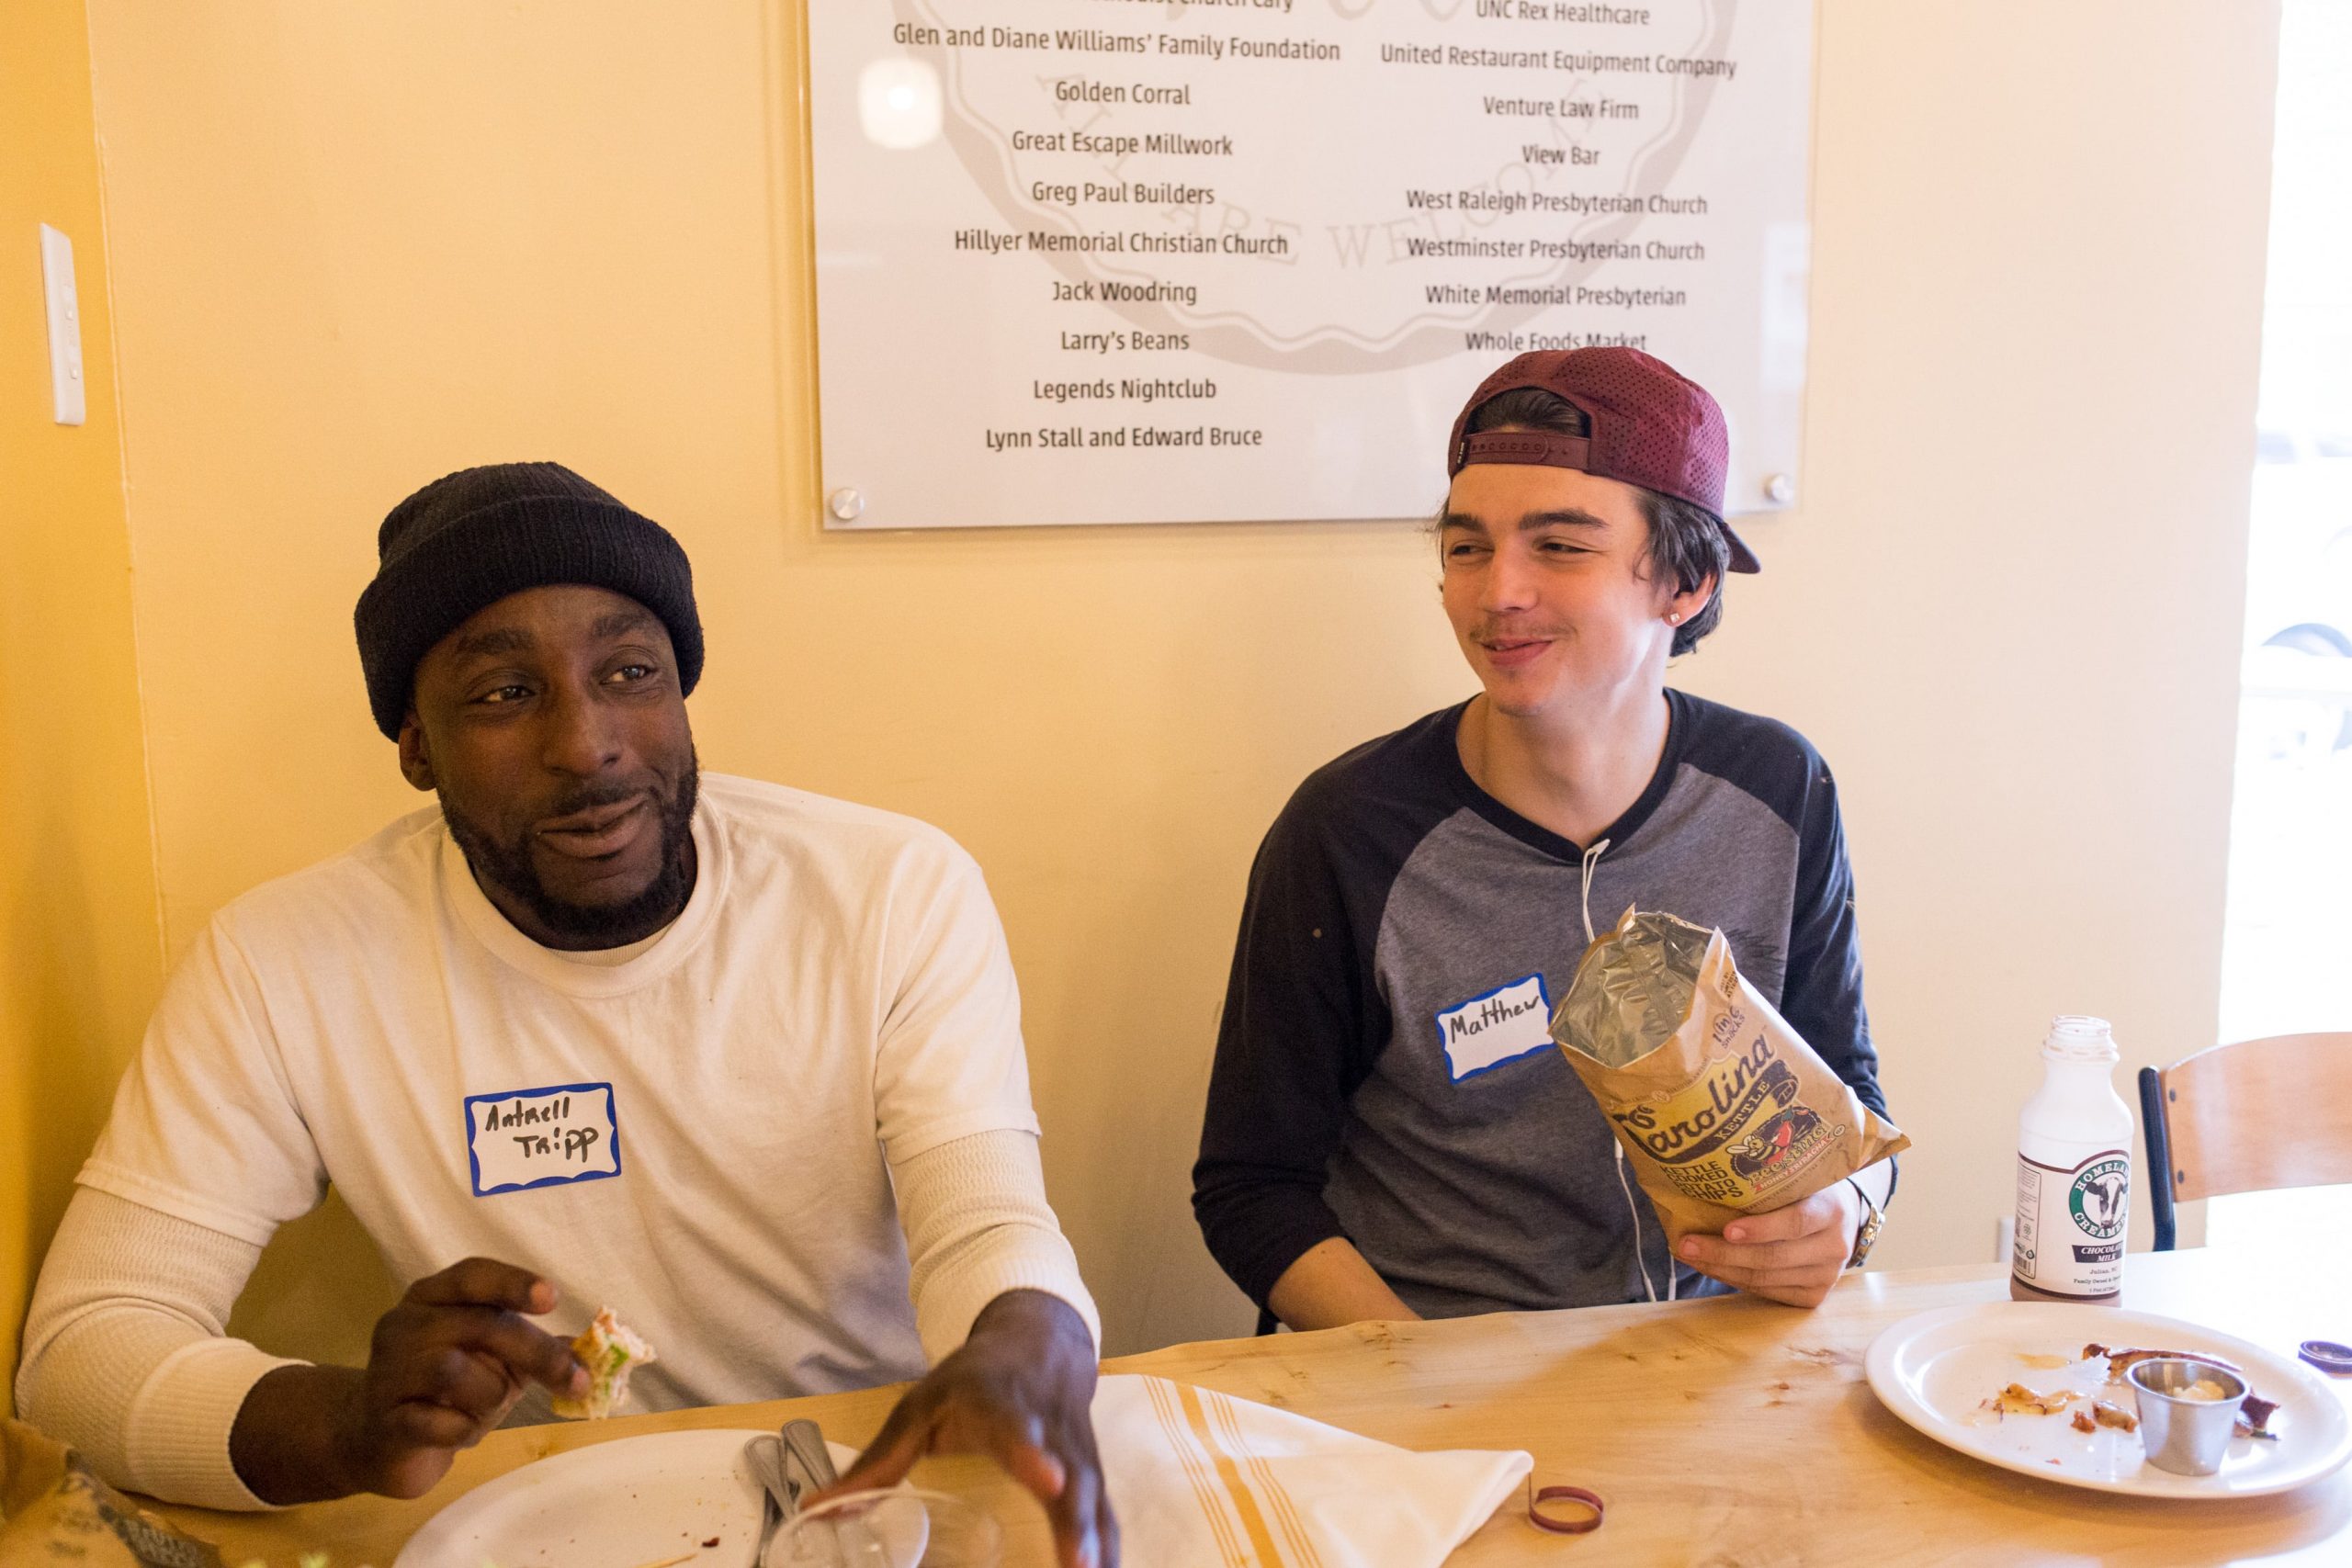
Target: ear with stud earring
1675 619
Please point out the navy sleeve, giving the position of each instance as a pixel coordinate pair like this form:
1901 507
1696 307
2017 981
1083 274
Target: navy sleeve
1300 1033
1822 996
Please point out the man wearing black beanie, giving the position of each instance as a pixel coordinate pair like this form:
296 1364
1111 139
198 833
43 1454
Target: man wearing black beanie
741 1063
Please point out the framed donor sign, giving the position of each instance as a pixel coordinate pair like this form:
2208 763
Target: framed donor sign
1176 260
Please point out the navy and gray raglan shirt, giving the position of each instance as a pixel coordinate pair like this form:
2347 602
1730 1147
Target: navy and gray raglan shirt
1383 1070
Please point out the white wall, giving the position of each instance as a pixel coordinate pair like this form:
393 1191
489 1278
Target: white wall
2010 612
358 247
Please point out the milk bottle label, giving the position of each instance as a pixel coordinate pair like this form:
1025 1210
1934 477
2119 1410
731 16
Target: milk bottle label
2070 1225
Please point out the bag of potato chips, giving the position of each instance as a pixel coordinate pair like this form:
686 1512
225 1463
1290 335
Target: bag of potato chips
1722 1108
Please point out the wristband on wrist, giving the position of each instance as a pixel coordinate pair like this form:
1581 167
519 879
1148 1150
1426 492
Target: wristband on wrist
1873 1221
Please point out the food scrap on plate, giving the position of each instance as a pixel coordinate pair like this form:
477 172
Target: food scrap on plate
2103 1414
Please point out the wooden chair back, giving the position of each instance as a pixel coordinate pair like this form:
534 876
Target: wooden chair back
2251 1117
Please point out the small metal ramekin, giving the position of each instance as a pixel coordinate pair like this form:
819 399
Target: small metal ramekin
2187 1437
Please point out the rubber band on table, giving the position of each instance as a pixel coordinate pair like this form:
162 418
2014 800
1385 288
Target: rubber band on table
1582 1496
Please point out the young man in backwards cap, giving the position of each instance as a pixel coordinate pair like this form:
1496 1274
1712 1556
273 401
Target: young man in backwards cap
1391 1131
739 1062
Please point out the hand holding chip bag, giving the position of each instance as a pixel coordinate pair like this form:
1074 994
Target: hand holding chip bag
1723 1108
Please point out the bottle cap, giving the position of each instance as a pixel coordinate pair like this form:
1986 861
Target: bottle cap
2077 1037
2328 1356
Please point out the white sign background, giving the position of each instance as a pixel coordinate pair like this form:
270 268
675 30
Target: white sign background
1414 190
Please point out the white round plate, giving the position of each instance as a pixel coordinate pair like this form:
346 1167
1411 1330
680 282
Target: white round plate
1935 1371
631 1503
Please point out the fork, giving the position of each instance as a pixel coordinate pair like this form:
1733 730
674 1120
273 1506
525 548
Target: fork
803 1448
763 1455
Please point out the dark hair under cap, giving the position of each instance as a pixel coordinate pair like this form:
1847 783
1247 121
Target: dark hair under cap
470 539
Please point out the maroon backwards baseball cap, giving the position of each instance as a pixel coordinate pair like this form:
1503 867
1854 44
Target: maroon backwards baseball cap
1648 427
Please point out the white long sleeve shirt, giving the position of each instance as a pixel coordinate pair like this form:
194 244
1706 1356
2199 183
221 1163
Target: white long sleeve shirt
704 1136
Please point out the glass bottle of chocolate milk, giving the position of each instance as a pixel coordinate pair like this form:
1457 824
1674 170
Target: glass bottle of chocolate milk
2073 1171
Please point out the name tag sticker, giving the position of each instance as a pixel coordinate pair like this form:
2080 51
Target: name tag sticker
541 1138
1513 1020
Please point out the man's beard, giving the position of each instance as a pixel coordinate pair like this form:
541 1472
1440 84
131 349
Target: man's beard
593 925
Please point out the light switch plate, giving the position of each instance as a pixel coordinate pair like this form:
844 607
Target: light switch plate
64 326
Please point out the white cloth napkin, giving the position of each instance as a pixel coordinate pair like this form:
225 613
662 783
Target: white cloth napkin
1201 1480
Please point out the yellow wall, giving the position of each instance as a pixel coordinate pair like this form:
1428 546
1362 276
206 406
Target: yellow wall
81 952
358 246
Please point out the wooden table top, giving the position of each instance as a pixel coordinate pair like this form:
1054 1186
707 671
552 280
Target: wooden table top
1722 1432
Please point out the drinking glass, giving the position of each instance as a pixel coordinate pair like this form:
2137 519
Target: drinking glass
899 1528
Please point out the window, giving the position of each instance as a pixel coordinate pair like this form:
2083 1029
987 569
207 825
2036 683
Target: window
2287 943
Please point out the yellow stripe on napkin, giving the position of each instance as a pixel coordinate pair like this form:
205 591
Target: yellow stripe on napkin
1278 1496
1245 1506
1204 1492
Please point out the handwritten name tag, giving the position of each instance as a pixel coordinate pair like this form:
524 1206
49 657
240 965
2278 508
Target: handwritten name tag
1508 1023
538 1137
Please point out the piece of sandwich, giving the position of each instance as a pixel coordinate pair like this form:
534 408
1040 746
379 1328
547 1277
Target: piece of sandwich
608 1350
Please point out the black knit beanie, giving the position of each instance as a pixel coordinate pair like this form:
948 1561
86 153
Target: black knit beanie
469 540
